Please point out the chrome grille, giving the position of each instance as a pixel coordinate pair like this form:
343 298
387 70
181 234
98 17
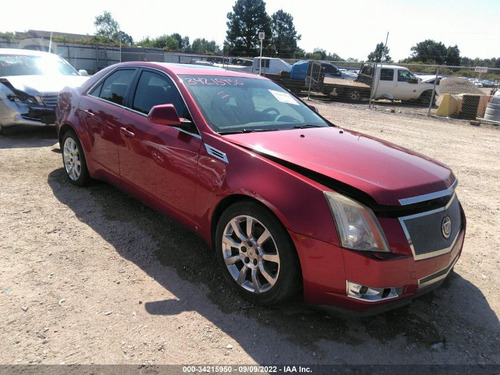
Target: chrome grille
424 231
50 100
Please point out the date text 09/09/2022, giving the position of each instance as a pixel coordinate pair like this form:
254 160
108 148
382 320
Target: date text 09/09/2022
251 369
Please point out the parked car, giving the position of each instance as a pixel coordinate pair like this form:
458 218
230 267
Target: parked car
349 73
300 70
270 65
288 200
29 84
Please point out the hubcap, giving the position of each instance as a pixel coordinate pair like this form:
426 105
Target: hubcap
354 95
250 254
72 161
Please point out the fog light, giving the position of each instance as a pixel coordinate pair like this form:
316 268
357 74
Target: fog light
369 294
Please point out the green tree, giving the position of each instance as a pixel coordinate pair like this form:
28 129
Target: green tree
107 26
248 18
334 57
317 54
125 38
299 53
321 54
453 56
429 52
380 54
183 43
171 42
203 46
284 35
108 30
165 42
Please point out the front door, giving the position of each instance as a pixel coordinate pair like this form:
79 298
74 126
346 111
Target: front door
159 160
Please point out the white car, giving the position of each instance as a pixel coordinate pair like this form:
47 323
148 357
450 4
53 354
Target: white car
29 84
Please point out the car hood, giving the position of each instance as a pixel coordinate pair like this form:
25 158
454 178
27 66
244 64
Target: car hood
386 172
43 84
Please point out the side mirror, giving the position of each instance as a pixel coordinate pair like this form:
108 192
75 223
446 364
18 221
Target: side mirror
413 80
315 109
164 114
83 72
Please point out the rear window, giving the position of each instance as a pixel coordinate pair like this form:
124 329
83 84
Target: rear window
386 74
115 87
367 70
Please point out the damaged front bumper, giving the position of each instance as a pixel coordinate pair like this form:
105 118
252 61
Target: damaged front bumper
18 113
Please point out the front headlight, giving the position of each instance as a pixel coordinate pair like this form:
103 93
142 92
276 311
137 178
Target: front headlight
23 98
357 226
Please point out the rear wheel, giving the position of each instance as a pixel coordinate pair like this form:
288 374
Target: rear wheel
74 162
256 254
353 95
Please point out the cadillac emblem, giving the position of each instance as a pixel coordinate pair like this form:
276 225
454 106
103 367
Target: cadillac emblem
446 227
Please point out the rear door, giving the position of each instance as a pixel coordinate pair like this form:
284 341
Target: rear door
102 110
385 85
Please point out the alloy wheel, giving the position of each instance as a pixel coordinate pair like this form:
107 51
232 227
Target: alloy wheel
250 254
72 159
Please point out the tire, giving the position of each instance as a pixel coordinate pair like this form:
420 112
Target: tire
256 254
425 98
353 95
74 162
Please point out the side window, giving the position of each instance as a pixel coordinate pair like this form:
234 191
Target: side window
154 89
331 69
386 74
115 87
367 70
264 62
405 76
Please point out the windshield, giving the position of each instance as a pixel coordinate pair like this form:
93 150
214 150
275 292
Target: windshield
17 65
236 104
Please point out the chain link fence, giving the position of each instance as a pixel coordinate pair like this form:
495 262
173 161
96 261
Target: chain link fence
443 91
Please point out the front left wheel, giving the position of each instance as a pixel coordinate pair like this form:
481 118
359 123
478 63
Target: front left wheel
74 162
256 254
425 98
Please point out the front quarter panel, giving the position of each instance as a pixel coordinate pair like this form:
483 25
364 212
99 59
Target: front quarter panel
298 202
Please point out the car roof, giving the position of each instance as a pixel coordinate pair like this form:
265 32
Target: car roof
189 69
391 66
26 52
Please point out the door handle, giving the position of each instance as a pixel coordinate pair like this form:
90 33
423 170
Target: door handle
127 133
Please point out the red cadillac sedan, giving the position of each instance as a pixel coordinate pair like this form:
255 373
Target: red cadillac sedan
290 202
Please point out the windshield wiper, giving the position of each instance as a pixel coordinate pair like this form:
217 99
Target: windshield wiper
244 130
306 126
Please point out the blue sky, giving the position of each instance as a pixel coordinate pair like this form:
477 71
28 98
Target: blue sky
350 29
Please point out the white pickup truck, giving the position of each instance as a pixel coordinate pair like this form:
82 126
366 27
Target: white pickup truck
381 81
270 65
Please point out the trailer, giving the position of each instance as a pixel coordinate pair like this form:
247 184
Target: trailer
348 90
379 81
375 81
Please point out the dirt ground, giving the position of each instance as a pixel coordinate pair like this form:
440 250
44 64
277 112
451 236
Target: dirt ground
91 276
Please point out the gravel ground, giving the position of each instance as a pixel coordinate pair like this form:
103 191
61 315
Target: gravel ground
91 276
